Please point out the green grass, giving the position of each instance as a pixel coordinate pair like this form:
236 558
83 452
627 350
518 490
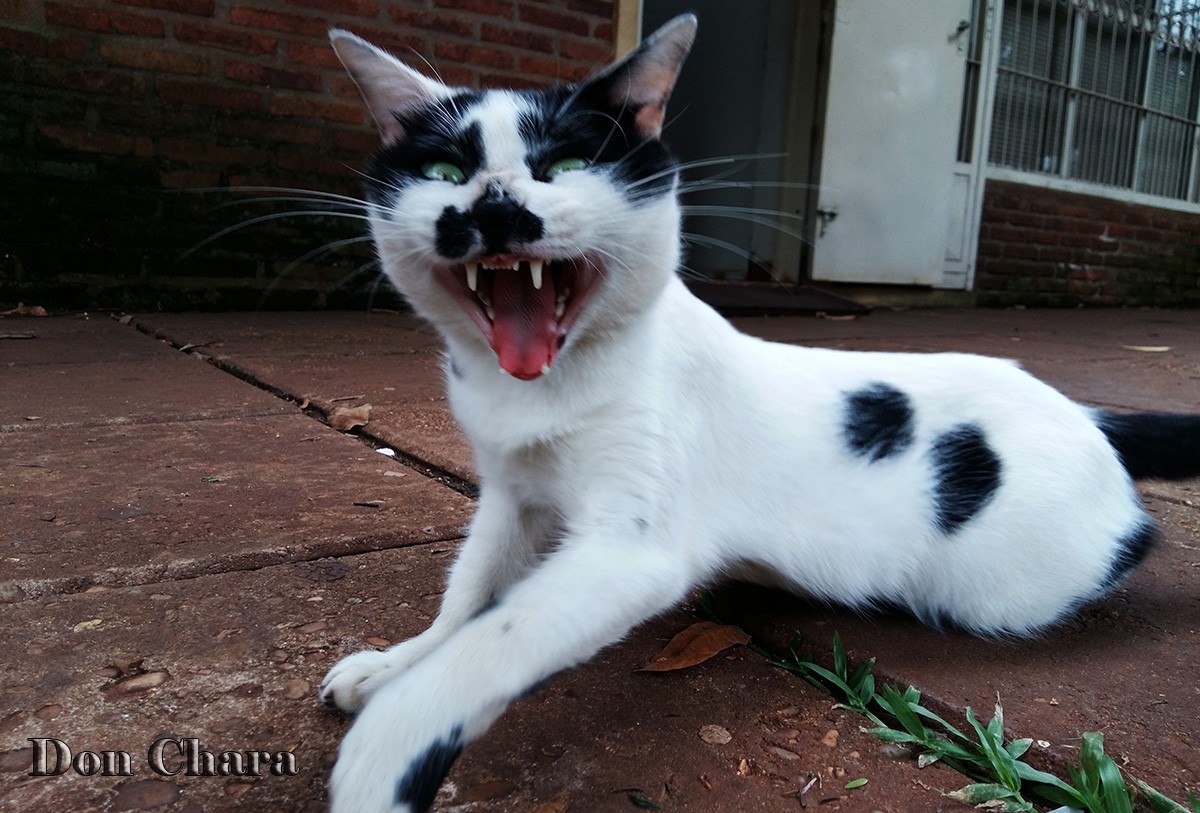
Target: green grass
1000 779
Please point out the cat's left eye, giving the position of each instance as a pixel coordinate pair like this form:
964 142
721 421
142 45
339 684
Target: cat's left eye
444 171
565 165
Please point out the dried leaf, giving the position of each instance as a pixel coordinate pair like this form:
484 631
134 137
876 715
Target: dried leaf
90 624
343 419
25 310
696 644
1147 348
715 734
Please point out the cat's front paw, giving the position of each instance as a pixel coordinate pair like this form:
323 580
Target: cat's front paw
353 679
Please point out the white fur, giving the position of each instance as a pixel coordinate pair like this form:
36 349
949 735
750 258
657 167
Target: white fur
664 449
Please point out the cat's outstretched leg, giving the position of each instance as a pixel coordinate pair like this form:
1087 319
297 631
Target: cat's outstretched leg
499 549
588 593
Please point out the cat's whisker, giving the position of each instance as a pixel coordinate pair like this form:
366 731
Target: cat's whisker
310 255
254 221
692 237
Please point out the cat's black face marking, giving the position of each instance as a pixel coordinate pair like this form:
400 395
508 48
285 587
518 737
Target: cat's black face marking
1133 549
968 475
557 123
419 785
432 134
503 223
878 422
455 233
569 122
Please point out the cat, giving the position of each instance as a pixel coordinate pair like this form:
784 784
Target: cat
632 445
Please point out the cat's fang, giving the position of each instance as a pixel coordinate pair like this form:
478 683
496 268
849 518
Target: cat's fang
473 276
535 272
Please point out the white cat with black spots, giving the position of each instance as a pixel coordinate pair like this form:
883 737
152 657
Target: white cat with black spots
632 445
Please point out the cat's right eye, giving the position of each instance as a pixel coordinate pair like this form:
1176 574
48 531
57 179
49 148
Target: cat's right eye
444 171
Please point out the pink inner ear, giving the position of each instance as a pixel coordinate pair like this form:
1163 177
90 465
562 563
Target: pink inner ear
649 120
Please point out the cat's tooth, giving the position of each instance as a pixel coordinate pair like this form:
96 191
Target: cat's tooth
491 314
560 307
545 369
535 271
516 265
473 276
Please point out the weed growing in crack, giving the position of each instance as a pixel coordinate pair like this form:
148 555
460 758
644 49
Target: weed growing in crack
1001 780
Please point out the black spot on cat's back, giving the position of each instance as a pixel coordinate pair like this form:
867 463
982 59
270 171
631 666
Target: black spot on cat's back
1131 550
878 422
967 474
419 785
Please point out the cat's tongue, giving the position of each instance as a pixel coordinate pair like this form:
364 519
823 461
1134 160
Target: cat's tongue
524 330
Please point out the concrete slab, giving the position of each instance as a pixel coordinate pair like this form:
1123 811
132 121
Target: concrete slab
130 505
197 508
232 661
97 372
390 361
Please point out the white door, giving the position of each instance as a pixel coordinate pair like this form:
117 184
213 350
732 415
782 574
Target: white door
891 198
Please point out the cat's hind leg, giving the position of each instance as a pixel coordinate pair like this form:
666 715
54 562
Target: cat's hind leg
588 593
500 548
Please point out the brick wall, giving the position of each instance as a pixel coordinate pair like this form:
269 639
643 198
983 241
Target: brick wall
116 115
1045 247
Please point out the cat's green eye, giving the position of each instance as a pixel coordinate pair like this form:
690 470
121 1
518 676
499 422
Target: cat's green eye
443 171
565 165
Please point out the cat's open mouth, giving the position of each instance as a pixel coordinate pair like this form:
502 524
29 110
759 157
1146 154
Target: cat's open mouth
524 306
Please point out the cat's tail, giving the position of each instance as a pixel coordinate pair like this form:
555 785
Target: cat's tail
1154 444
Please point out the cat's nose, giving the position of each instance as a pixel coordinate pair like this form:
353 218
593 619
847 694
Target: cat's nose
503 222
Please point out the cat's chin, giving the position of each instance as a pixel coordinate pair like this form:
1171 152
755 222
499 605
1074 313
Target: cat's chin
524 306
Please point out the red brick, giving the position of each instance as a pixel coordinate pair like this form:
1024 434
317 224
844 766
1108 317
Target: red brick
527 40
545 18
189 179
361 141
321 56
98 82
227 39
25 43
193 151
315 108
89 19
341 86
90 141
472 54
207 94
278 21
604 32
585 50
509 81
400 43
351 8
600 8
158 60
542 66
306 163
432 21
253 74
199 8
266 131
12 10
71 49
489 8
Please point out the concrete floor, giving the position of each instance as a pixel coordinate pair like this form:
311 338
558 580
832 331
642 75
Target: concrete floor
186 551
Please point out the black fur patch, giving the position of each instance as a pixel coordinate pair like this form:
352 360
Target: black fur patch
581 122
455 232
878 422
1133 549
419 785
431 134
503 223
968 475
1154 444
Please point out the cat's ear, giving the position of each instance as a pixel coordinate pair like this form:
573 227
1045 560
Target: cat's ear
643 80
389 87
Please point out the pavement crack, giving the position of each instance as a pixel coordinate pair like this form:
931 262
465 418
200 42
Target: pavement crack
415 463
